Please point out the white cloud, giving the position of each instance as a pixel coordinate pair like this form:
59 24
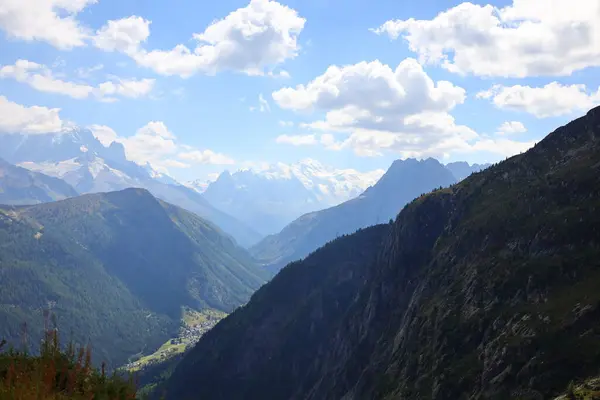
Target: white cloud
154 143
329 141
372 87
511 127
522 39
124 35
51 21
251 40
41 78
131 88
401 110
170 163
151 143
279 74
206 157
16 118
551 100
156 128
104 134
501 146
297 140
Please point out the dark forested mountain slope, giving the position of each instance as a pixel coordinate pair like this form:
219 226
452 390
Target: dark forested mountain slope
19 186
488 289
293 312
404 181
117 268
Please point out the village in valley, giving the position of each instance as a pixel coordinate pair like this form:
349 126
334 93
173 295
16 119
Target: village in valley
194 325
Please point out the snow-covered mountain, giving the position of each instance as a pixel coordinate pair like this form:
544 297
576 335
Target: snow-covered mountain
403 181
79 159
329 185
200 185
269 198
20 186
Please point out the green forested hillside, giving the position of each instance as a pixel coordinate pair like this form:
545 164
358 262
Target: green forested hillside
487 289
116 269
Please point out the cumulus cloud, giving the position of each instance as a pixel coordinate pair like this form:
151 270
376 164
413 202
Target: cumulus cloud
330 142
511 127
520 40
124 35
105 134
206 157
551 100
132 88
16 118
400 109
253 40
51 21
156 128
41 78
297 140
154 143
372 109
502 146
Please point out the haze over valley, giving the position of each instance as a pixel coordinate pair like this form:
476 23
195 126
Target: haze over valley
299 200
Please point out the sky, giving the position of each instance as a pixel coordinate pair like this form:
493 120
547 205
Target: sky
196 87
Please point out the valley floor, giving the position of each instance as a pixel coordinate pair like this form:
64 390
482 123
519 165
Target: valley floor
194 324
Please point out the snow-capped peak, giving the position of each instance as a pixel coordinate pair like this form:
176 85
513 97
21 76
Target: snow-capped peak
328 185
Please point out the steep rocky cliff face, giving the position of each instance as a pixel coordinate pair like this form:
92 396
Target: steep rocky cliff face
487 289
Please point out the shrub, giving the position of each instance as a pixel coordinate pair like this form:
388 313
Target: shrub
58 375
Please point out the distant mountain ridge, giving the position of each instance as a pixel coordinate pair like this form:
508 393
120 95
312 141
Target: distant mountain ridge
404 181
19 186
82 161
118 268
462 169
270 198
487 289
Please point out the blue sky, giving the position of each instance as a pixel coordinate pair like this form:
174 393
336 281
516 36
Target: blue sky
526 68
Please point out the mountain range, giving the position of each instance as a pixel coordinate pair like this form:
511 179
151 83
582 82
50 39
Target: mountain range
462 169
270 198
484 289
117 269
403 181
248 204
79 159
20 186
